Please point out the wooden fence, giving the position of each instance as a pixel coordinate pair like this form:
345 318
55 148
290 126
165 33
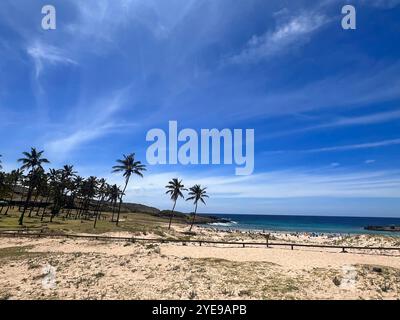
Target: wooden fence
42 234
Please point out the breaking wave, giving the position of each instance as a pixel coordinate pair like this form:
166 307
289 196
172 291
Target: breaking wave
224 224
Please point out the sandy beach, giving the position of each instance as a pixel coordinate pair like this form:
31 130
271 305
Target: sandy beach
50 268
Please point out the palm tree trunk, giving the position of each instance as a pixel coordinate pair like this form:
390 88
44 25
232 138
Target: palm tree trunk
43 213
98 211
34 203
194 216
5 213
12 198
113 209
81 208
39 206
72 204
45 206
28 199
172 215
120 201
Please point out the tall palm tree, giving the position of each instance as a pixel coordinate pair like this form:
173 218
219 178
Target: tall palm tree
45 192
39 180
55 182
32 161
88 191
3 188
196 193
102 193
175 188
74 188
115 194
67 174
128 166
15 176
2 183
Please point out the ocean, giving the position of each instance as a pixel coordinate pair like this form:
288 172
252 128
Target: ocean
316 224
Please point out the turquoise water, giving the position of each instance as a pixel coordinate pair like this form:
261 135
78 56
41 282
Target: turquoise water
316 224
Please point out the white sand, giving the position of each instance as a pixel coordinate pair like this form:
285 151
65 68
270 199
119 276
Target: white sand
82 269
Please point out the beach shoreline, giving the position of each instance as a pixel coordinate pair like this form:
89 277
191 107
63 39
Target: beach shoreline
316 225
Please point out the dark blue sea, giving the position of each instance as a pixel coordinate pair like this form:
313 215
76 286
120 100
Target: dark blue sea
316 224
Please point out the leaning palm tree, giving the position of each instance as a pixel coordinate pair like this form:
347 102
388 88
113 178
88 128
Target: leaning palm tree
175 188
32 161
196 193
128 166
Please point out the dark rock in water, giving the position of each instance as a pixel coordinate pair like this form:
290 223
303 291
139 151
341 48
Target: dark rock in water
383 228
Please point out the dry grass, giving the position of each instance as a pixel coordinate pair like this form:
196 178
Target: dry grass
136 223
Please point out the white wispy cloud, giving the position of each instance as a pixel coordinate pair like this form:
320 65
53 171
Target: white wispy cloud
367 145
281 184
366 119
373 85
43 54
92 123
156 17
293 32
376 118
383 4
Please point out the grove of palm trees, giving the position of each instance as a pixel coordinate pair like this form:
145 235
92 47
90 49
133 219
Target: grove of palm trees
50 196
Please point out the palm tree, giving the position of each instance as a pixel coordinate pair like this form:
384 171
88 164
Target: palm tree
15 176
67 174
196 194
39 179
45 192
115 194
32 161
1 167
175 188
3 188
128 166
3 184
102 193
74 188
55 182
88 192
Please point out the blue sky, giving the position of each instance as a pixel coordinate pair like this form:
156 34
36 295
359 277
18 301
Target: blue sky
324 102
